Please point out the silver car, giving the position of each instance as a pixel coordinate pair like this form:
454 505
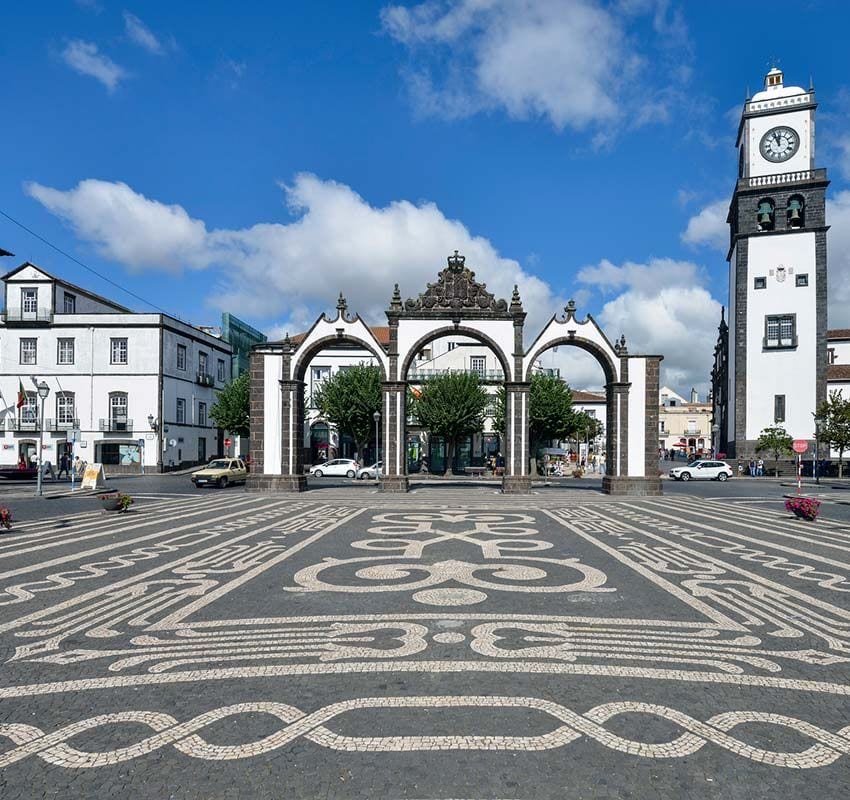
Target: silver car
702 470
372 472
338 466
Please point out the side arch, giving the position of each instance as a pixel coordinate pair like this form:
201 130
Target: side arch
601 356
302 357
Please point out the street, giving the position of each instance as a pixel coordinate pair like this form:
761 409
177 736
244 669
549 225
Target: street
452 642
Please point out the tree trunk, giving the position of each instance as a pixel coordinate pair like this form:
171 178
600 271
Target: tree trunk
775 465
450 456
841 463
361 452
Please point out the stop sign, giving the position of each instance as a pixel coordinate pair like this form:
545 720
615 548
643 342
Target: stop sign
227 442
800 446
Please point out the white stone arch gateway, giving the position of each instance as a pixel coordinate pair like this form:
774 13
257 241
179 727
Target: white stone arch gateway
455 304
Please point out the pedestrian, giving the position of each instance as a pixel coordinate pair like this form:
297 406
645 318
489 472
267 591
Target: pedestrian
760 467
752 468
740 469
76 466
63 466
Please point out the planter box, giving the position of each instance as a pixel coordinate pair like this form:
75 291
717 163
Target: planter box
109 502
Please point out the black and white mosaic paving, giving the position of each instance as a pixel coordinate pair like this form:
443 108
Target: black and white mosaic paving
239 646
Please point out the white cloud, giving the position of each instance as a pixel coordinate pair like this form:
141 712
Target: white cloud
571 61
128 227
337 241
663 310
838 255
141 34
84 57
708 227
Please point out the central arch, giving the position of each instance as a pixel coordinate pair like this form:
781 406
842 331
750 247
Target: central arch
454 330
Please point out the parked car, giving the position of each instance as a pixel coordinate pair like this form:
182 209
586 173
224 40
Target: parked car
370 472
339 466
221 472
702 470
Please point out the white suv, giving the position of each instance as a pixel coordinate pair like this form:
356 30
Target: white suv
702 470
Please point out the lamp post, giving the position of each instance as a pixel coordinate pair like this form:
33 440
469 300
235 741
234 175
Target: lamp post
818 424
715 432
154 426
377 417
43 392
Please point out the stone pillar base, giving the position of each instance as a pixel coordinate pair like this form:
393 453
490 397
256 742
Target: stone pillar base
625 485
276 483
516 484
395 484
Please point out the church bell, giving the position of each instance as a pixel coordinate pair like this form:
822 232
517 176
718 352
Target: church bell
795 208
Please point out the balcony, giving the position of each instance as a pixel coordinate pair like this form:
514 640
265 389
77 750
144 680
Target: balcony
16 316
16 424
484 375
61 424
693 432
801 176
204 379
117 425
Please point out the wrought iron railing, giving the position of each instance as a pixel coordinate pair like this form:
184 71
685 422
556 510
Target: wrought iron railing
116 425
484 375
19 316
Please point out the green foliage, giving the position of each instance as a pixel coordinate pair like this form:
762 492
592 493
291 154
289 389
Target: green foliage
835 428
452 405
586 427
777 442
350 399
550 410
230 410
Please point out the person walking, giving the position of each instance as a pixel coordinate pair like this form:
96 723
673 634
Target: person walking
752 468
64 466
760 467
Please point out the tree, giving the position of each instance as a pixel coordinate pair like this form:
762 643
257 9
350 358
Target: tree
776 441
585 428
550 411
452 405
230 410
835 428
350 399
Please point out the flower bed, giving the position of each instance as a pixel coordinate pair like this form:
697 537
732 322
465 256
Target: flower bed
803 507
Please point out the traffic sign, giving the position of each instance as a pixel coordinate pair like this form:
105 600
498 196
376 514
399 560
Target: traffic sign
227 442
141 443
800 446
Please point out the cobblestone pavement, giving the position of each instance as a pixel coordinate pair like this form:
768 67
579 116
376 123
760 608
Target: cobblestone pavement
446 644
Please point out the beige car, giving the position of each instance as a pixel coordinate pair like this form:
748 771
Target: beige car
221 472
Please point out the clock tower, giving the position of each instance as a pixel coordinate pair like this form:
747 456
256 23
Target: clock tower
770 363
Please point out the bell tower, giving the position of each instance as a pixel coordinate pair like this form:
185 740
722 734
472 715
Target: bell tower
776 355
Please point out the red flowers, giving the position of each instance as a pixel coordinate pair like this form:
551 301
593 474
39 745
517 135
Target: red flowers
803 507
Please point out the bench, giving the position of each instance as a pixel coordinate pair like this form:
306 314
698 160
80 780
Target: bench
475 470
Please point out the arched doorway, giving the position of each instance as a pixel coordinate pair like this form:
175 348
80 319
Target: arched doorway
455 304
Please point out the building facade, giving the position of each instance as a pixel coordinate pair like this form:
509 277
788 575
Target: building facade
136 388
685 425
770 361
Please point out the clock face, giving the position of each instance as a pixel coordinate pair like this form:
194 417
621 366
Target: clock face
779 144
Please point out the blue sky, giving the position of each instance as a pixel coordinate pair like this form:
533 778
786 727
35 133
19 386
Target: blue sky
259 157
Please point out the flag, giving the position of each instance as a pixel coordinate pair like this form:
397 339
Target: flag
22 395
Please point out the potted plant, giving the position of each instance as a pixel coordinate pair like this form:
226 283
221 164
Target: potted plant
115 501
803 507
5 517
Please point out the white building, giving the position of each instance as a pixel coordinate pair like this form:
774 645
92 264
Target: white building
770 361
137 387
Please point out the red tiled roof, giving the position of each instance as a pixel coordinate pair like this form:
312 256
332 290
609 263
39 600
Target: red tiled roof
380 332
838 333
587 397
838 372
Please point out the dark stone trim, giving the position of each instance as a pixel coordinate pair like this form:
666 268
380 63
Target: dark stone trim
395 484
821 299
639 487
516 484
651 415
276 483
256 414
741 288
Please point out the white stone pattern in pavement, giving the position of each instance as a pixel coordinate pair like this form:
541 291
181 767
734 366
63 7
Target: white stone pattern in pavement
53 748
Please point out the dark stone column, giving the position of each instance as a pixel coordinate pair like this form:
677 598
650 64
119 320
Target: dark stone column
393 429
616 444
517 479
292 478
651 412
256 418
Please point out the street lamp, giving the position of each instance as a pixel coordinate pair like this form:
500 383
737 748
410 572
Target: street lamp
153 422
43 392
377 417
715 432
818 426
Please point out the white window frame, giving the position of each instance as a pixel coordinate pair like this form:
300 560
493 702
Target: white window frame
478 365
181 357
69 300
202 414
221 373
25 343
29 301
203 361
118 350
65 343
64 402
180 411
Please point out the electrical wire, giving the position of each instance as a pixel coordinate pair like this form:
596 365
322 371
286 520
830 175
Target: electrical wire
86 266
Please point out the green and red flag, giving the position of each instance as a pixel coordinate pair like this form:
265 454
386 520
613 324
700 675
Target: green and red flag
22 395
